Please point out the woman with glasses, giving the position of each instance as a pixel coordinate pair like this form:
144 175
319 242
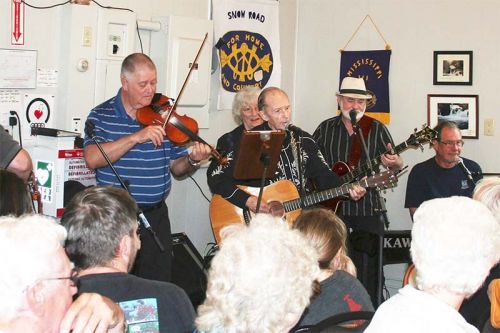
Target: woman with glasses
444 175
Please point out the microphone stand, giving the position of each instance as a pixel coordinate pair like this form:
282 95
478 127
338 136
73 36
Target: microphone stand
381 209
140 214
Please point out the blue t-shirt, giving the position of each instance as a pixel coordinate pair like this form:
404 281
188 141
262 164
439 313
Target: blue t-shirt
427 180
145 167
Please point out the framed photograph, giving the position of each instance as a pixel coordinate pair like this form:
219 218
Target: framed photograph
453 68
461 109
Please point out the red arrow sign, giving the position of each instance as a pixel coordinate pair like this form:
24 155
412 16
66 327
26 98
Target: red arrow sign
17 22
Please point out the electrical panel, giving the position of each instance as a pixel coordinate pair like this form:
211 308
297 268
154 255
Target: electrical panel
94 42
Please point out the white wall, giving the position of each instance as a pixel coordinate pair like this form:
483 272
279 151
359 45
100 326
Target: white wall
312 32
414 29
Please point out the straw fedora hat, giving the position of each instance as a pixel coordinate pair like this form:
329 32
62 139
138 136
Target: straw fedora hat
355 88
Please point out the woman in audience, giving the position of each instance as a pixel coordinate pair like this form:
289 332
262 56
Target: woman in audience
14 196
476 309
340 291
260 281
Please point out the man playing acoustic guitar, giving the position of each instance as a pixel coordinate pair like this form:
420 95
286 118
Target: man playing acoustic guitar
336 140
274 108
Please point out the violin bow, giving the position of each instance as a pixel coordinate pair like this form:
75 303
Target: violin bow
172 109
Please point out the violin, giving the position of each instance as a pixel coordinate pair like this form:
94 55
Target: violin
178 129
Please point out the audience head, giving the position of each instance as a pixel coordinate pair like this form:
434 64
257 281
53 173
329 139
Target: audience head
261 279
274 107
35 284
14 196
455 242
353 95
101 223
487 191
245 107
328 234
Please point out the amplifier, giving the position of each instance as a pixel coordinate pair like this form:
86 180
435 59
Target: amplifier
397 247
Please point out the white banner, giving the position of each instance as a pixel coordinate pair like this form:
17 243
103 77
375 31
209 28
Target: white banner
247 38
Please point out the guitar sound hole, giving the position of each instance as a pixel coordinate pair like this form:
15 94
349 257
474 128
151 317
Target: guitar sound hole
276 208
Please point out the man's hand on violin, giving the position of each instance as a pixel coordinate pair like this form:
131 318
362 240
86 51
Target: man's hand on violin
153 133
200 151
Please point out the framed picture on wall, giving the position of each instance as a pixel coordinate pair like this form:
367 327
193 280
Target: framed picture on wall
453 68
461 109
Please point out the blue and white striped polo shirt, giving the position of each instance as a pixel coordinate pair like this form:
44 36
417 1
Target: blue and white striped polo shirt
146 168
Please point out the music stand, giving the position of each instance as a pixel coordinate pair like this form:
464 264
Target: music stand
258 156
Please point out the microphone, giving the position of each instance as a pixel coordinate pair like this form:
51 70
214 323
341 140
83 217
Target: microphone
89 131
293 128
466 171
352 114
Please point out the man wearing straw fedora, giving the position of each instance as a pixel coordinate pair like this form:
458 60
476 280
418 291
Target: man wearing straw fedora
338 141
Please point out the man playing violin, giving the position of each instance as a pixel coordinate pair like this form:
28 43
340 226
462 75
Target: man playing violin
336 140
143 157
274 108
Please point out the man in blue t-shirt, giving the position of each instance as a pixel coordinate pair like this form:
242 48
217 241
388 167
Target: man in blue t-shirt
446 174
142 156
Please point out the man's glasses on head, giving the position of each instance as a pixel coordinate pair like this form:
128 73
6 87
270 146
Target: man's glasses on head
458 143
73 278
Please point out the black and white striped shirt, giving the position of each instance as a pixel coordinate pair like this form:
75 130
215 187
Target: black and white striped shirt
335 143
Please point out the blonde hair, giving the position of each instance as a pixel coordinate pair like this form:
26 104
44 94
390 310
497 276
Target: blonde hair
487 191
328 234
262 274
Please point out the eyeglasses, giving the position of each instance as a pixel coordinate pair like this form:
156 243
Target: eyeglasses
73 278
458 143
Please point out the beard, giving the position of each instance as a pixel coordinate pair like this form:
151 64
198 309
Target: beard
359 114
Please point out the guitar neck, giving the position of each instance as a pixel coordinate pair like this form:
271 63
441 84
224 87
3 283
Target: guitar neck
367 167
317 197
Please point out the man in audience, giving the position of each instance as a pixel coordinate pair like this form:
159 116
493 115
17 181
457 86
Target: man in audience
455 242
443 175
103 243
37 283
13 157
261 279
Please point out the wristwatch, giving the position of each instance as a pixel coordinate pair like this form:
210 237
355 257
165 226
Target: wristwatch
194 164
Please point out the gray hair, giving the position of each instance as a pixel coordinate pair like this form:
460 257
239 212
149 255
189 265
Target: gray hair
261 102
262 273
96 220
132 60
455 242
244 97
27 244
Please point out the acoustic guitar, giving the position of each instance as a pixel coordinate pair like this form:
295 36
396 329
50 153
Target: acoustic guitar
285 201
349 173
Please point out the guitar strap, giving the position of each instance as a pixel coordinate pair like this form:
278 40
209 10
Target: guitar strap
297 155
356 150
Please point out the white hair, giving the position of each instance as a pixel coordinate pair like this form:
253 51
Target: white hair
488 192
455 242
26 245
262 274
244 97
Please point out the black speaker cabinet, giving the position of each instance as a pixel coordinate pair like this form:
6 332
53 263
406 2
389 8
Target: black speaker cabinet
187 268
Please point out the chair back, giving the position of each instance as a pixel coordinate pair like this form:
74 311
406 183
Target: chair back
333 323
410 276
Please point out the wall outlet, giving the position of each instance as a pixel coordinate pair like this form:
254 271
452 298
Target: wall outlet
489 125
76 125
